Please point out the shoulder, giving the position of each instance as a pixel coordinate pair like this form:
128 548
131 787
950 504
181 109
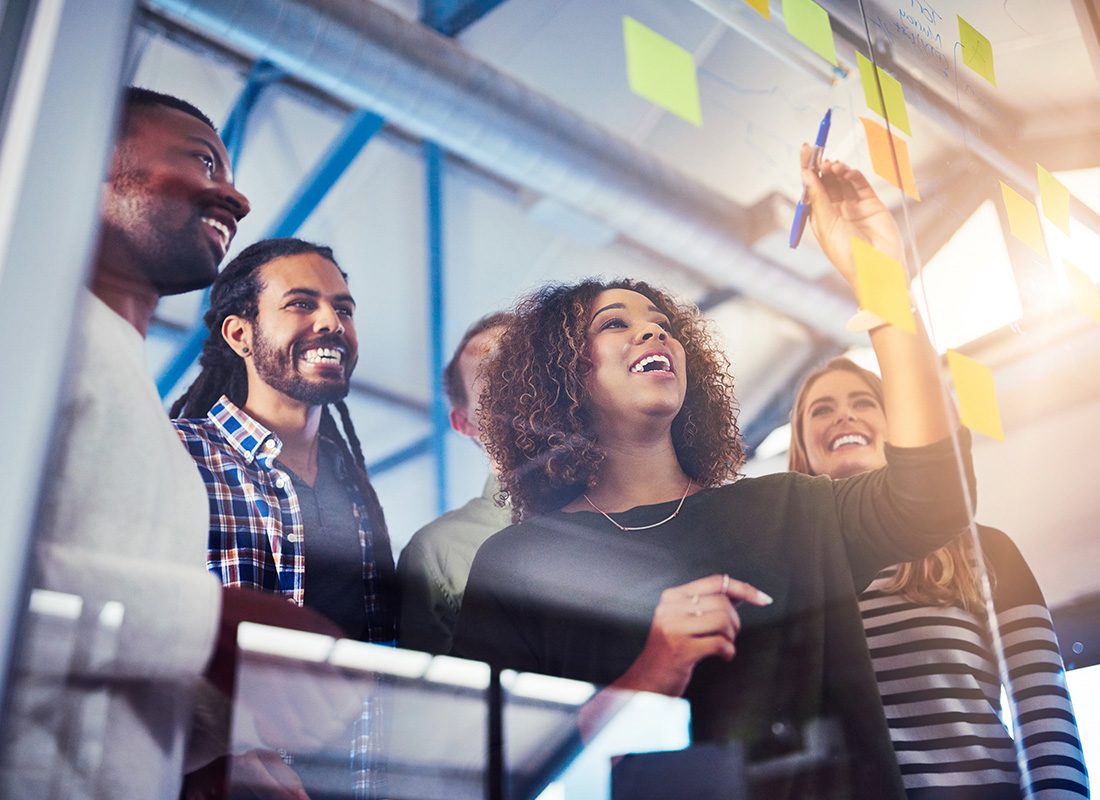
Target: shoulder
1014 583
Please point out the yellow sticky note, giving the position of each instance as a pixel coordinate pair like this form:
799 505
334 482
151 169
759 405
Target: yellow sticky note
977 395
884 146
1086 299
1055 197
977 51
762 7
895 112
1023 219
809 23
661 71
883 285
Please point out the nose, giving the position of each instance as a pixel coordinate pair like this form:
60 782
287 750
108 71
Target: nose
653 329
236 202
328 320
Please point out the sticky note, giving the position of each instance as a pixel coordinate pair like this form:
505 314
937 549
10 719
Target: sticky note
762 7
879 142
895 112
977 395
977 51
1086 299
1023 219
809 23
661 71
883 285
1055 197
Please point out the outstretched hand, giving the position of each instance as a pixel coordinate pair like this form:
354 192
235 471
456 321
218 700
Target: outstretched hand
843 205
691 622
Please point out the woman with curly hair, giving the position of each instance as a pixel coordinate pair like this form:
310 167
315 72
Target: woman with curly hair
929 635
640 563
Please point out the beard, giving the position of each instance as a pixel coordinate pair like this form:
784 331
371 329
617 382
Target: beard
278 369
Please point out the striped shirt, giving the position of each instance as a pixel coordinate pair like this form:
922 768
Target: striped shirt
256 534
941 691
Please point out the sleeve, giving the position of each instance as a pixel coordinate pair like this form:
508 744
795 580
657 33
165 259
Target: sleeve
429 610
915 504
498 622
1044 721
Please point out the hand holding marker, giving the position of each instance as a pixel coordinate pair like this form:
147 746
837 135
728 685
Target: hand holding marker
802 210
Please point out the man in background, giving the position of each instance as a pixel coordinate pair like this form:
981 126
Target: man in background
435 564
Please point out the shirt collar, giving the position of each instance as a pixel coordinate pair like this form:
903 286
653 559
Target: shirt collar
248 437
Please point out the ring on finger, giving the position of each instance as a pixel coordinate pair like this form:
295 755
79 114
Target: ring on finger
725 583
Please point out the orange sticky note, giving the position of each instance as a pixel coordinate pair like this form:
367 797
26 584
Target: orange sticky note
762 7
883 285
1086 299
809 23
894 112
977 51
882 157
661 71
1055 197
1023 219
977 395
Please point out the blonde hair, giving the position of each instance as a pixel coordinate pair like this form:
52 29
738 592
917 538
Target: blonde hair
947 576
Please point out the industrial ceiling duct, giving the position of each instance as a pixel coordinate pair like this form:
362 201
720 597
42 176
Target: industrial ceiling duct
430 86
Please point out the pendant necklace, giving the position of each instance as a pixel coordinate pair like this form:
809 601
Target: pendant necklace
643 527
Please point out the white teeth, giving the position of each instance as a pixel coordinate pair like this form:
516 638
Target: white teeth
323 355
641 365
220 228
851 438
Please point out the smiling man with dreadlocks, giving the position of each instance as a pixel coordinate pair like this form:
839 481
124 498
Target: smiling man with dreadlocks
291 508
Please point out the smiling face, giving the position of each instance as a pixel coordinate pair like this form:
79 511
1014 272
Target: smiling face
303 342
638 374
170 208
843 426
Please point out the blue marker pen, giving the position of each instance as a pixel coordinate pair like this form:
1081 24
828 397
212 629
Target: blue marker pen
802 210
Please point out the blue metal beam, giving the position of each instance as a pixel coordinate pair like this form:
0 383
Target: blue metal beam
263 74
433 169
357 131
415 450
449 17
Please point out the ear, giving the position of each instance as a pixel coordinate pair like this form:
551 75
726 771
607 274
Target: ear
462 423
237 333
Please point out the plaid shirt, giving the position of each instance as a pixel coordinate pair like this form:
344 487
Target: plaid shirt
256 534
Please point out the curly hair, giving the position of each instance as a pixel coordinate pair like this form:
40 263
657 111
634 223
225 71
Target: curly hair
536 424
942 578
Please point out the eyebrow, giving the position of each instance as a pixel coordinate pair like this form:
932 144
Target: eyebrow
346 298
858 393
610 306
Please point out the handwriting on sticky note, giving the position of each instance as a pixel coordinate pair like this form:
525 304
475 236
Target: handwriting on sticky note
1086 299
883 285
885 147
1023 219
809 23
977 395
894 110
1055 198
977 52
661 71
762 7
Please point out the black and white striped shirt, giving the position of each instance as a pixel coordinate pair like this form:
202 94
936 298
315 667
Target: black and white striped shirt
941 691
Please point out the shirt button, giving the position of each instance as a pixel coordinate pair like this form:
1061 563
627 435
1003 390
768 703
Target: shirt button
294 538
280 483
270 445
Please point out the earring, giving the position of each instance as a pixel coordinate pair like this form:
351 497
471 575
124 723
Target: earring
244 350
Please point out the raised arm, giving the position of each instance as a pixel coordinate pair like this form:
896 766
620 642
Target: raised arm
844 205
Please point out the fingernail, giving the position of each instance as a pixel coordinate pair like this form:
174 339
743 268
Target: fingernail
766 599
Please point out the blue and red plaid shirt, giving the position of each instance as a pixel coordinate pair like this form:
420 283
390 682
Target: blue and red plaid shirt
256 533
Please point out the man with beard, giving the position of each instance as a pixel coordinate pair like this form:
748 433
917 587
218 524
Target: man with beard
291 508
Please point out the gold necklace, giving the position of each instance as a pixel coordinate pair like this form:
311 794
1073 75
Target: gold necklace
644 527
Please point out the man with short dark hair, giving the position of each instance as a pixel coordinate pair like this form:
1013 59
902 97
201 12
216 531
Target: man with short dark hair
124 514
435 564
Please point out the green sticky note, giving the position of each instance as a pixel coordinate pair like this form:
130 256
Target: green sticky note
883 287
977 51
1055 197
895 112
762 7
809 23
977 395
1023 219
661 71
